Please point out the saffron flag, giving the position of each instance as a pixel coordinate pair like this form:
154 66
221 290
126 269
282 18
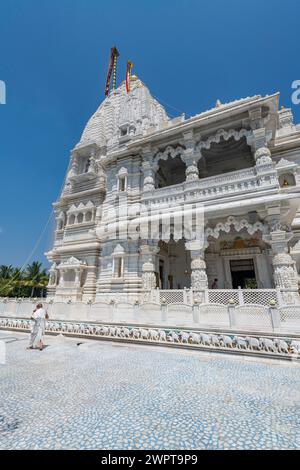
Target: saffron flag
128 74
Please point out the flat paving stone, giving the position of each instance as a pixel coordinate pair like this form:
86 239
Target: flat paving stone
104 395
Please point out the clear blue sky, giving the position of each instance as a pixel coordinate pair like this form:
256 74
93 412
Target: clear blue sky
54 57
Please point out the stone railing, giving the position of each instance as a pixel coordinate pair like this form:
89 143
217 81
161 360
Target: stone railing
216 316
274 345
220 296
233 183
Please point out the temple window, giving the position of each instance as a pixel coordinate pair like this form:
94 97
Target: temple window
88 216
60 224
60 221
131 130
80 218
83 165
87 165
69 276
118 266
122 183
72 219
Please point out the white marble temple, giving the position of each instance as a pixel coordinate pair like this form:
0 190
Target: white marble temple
240 161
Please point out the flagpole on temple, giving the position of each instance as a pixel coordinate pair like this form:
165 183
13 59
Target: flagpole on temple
128 75
116 55
112 69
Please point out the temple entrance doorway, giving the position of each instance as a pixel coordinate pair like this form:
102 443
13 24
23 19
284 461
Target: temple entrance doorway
243 274
173 265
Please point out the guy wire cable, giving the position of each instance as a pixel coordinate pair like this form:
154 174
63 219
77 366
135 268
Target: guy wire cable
170 106
38 240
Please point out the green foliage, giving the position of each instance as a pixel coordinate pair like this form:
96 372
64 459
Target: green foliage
30 282
250 284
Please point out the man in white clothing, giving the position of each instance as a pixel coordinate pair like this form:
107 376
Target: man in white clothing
39 316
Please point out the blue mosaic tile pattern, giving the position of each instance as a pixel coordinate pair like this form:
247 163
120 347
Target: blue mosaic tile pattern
102 395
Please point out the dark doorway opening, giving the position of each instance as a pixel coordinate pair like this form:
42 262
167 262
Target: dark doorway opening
243 274
161 274
170 172
224 157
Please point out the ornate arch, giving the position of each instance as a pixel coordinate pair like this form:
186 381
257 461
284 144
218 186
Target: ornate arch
226 135
238 225
169 151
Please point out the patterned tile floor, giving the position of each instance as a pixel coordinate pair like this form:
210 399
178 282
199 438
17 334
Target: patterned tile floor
102 395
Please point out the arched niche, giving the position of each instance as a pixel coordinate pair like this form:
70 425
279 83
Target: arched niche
80 218
72 219
88 216
286 179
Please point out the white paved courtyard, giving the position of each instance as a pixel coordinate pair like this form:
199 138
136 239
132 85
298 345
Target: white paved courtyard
104 395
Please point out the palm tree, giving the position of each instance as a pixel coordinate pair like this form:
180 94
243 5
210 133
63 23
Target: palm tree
6 272
6 280
17 281
35 277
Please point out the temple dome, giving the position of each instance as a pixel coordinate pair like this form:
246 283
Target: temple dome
123 115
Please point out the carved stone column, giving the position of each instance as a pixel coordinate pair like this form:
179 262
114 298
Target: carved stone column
148 252
148 276
73 171
74 166
89 289
198 270
263 156
191 172
149 168
265 166
77 277
198 274
92 163
190 157
61 278
258 140
285 273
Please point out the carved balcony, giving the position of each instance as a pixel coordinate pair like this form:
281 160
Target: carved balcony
230 184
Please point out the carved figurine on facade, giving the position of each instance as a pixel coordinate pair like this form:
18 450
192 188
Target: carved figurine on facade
53 275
